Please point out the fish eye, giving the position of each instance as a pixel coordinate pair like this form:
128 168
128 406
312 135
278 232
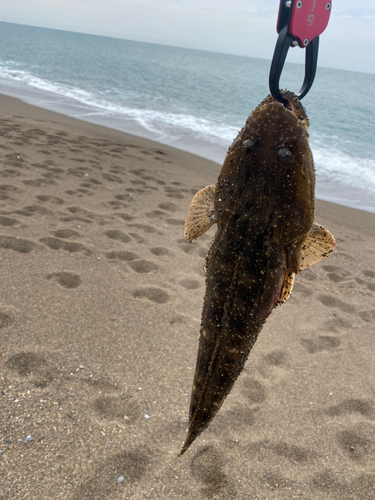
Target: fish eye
285 153
248 144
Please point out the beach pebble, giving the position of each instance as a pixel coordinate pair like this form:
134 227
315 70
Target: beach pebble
81 367
147 415
28 439
16 400
120 479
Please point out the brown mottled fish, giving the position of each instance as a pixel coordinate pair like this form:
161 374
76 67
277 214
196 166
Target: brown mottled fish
263 204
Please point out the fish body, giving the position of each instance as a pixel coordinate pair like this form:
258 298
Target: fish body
263 205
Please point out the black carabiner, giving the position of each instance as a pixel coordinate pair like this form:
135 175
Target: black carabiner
299 23
285 41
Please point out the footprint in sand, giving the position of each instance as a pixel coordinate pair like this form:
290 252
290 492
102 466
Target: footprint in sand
75 218
118 407
368 316
237 419
169 207
10 173
336 273
65 233
174 192
16 244
115 234
39 182
300 290
115 205
124 197
137 237
87 186
125 216
190 248
130 464
352 406
4 195
67 246
122 255
176 222
208 469
369 273
8 221
308 275
159 251
329 301
322 343
275 358
30 363
139 172
6 319
113 178
25 362
85 191
143 266
36 209
9 188
50 199
369 286
156 295
253 390
150 178
185 246
155 214
190 284
294 454
357 444
65 279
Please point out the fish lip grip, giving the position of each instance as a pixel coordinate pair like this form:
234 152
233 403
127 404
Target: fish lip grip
300 22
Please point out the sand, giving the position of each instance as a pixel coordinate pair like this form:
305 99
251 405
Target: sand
100 309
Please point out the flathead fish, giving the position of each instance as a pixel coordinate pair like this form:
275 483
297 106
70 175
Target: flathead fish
263 204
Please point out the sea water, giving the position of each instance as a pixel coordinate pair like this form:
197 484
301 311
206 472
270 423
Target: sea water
193 100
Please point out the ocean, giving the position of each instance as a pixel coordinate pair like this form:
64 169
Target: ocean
191 99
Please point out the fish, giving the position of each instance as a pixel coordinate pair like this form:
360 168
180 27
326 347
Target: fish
263 204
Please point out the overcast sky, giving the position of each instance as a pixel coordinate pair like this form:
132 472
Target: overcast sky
243 27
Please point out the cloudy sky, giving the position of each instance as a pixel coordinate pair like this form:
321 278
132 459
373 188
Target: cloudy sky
243 27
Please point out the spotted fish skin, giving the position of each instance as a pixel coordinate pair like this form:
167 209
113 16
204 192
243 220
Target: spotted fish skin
264 209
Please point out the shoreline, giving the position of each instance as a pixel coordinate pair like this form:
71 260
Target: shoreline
100 310
10 103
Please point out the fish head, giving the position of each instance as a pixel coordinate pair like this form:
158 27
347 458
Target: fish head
268 175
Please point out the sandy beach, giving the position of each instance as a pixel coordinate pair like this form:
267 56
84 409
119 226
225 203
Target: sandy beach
100 307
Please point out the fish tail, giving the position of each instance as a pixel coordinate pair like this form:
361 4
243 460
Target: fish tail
192 435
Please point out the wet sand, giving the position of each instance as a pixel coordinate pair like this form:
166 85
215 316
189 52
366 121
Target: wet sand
100 309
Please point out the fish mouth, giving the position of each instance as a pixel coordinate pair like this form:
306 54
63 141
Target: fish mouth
294 106
291 103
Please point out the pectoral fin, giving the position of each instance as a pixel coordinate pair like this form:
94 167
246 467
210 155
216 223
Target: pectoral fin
201 214
316 246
